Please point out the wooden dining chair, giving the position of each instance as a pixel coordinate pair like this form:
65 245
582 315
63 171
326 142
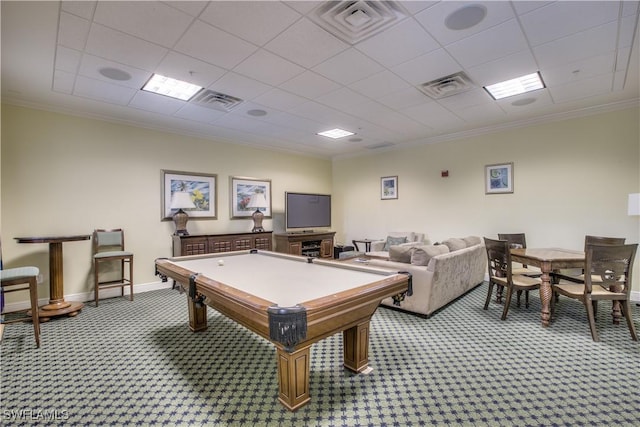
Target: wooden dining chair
109 259
22 279
612 266
500 269
588 240
518 240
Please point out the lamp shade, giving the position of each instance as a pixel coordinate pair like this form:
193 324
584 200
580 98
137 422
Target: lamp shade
181 200
634 204
257 201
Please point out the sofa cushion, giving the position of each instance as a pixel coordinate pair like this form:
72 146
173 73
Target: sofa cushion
401 253
454 244
472 240
394 240
421 255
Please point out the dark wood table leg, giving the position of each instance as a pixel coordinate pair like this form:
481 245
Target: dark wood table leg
57 305
546 292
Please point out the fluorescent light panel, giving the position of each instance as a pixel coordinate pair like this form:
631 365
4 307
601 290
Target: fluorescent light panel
516 86
335 133
171 87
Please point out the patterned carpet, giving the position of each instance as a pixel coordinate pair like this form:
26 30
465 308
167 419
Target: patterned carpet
137 363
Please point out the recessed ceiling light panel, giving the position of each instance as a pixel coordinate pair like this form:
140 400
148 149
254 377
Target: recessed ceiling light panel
171 87
516 86
335 133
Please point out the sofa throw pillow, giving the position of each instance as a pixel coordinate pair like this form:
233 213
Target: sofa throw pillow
392 241
472 240
421 255
454 244
401 253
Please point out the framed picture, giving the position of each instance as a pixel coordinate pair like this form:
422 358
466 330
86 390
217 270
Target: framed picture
201 188
498 178
389 187
249 194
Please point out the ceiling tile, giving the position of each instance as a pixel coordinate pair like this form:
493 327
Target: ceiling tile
310 85
186 68
433 115
306 44
404 98
239 86
73 31
593 42
257 21
348 67
433 19
400 43
477 96
63 81
103 91
505 68
214 46
481 113
268 68
83 9
518 105
427 67
575 71
280 99
496 42
152 21
379 85
156 103
193 8
344 99
67 59
198 114
582 89
90 66
562 18
123 48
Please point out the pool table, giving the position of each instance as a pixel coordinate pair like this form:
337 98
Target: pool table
291 301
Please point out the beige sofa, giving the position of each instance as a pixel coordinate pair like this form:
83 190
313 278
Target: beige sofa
451 270
380 248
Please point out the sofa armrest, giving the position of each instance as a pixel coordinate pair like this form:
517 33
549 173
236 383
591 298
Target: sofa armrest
377 245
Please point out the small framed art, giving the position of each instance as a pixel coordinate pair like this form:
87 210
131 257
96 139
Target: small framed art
499 178
249 194
388 187
201 187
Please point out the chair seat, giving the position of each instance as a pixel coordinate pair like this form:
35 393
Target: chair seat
519 281
113 254
576 290
526 271
18 273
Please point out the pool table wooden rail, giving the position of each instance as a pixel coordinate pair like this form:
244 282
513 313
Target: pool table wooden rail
348 311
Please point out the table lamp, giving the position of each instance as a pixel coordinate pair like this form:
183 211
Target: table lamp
181 200
257 201
634 204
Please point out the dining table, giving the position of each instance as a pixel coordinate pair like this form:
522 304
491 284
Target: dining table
548 260
57 305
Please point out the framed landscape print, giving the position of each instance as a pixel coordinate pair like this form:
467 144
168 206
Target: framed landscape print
388 187
499 178
242 189
202 188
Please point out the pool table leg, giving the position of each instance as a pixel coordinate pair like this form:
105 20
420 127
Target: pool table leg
355 343
293 377
197 316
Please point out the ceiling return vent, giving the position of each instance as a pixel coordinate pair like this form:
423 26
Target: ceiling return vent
215 100
354 21
381 145
452 84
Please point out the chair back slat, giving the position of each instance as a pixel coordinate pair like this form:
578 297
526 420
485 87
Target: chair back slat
601 240
516 240
498 257
612 264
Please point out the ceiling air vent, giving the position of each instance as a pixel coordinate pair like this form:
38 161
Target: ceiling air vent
354 21
452 84
215 100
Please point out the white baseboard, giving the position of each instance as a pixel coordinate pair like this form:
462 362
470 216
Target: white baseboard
88 296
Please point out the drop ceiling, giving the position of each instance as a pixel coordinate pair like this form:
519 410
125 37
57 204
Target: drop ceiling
301 67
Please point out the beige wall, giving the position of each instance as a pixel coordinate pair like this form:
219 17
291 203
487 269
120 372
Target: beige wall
571 178
67 175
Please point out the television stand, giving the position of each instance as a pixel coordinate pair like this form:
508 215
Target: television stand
309 244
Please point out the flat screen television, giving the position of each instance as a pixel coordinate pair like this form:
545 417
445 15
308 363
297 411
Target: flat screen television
306 210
